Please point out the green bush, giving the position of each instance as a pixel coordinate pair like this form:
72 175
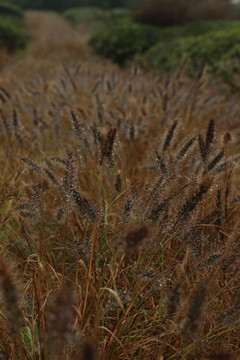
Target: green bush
83 14
203 27
63 5
122 42
229 68
115 17
7 8
13 35
212 48
167 56
195 29
93 14
120 14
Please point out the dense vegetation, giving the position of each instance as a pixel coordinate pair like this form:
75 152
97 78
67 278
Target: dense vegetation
120 198
66 4
214 44
97 15
121 43
9 9
178 12
214 49
13 33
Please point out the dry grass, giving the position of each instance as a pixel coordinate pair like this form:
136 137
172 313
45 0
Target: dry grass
120 220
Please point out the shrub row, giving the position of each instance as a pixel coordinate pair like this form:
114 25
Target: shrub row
213 49
13 33
94 14
12 37
166 47
10 9
63 5
123 42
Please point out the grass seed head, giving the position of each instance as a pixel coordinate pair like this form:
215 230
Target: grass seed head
209 135
220 355
15 120
133 238
77 125
10 298
33 165
216 160
61 318
86 209
169 136
161 164
100 109
194 200
185 148
202 148
88 352
118 183
174 296
158 210
107 145
227 138
195 308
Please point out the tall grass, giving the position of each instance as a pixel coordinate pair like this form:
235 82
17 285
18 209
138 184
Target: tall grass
119 214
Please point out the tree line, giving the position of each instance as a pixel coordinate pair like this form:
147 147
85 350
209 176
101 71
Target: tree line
62 5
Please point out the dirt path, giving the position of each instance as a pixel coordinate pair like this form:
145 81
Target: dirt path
54 43
52 36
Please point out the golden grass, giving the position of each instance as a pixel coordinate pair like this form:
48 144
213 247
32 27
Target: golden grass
124 246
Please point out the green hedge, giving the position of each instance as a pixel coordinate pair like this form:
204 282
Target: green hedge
120 13
63 5
122 42
229 68
83 15
196 29
167 56
213 49
7 8
93 14
13 34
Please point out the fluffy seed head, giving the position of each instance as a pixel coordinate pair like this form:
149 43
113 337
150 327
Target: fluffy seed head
134 238
209 135
10 298
169 136
202 148
195 307
107 145
227 138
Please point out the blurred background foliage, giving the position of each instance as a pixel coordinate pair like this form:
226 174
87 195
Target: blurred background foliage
165 34
62 5
155 33
178 12
13 34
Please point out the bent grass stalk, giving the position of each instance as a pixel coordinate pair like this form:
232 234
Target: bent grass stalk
65 217
94 234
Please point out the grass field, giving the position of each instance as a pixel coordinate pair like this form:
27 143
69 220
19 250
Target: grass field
119 207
